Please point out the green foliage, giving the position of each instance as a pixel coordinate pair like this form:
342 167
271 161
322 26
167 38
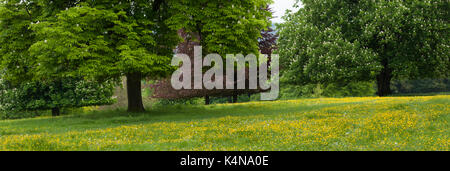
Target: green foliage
69 93
331 41
47 42
242 98
104 40
223 27
351 89
168 102
19 115
296 91
421 86
33 75
16 38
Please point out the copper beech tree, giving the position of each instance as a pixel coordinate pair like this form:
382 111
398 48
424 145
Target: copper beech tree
164 90
244 35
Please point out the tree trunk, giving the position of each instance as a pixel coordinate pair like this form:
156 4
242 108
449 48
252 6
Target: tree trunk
207 101
384 81
235 98
230 99
56 111
134 92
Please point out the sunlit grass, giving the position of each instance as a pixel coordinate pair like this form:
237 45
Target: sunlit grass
369 123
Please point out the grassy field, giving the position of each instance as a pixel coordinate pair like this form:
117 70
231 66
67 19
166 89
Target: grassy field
371 123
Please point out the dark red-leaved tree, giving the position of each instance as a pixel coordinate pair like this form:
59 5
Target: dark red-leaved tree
163 89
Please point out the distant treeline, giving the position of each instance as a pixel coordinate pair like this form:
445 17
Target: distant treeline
421 86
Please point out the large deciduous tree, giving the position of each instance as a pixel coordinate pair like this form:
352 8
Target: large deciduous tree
104 40
222 27
107 39
338 41
20 89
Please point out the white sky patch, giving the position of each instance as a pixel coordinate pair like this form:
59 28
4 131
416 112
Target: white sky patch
279 8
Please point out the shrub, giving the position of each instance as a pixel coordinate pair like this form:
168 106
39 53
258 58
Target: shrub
168 102
38 95
352 89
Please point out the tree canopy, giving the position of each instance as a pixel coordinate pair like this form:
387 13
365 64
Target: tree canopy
238 27
223 27
22 86
104 40
107 39
337 41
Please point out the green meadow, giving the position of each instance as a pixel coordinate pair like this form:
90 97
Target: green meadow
361 124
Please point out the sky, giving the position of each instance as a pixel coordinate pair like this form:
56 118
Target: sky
279 7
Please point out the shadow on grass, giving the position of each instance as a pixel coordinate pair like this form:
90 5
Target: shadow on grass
177 113
419 94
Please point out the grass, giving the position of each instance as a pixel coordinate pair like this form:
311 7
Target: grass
369 123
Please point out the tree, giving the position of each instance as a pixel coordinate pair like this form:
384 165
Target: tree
104 40
15 39
164 90
268 41
20 89
341 41
222 27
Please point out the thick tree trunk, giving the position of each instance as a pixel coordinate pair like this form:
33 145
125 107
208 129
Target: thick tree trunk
56 111
134 92
207 100
384 81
